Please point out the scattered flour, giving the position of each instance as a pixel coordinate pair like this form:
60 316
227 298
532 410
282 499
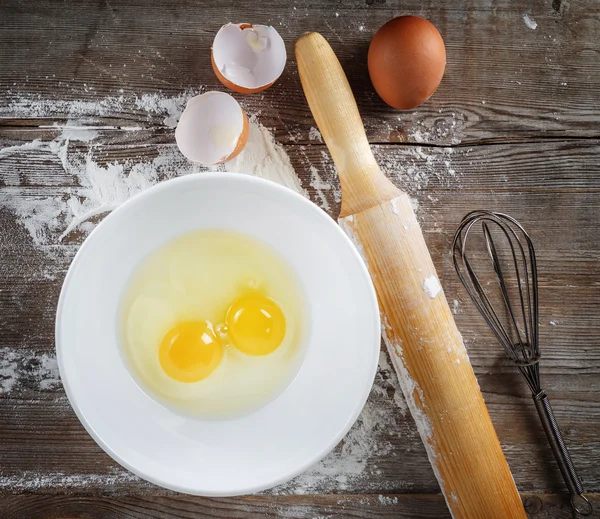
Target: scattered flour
50 219
386 501
348 225
415 399
417 136
31 481
169 108
456 306
432 286
320 186
75 130
412 393
172 107
25 369
315 135
47 373
529 21
441 129
415 206
329 172
414 169
103 187
9 150
37 106
9 371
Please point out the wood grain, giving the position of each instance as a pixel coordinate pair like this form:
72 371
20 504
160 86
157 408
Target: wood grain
397 506
513 127
503 82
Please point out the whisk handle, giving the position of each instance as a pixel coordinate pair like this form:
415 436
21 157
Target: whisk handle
579 502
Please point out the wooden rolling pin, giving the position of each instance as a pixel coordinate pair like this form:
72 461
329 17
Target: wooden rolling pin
424 344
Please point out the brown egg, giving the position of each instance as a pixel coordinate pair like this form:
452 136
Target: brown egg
407 59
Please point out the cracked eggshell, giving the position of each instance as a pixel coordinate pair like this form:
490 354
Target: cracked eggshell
212 129
248 58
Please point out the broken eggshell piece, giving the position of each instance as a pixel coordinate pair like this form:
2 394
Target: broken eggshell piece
212 128
248 58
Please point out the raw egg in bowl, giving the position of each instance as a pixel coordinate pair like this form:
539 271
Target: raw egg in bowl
217 334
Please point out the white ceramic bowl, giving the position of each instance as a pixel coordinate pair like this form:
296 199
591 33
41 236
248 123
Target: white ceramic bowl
280 440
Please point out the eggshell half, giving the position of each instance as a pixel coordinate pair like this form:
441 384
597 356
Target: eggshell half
212 129
248 58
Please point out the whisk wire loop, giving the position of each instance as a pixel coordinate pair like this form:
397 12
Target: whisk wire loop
520 337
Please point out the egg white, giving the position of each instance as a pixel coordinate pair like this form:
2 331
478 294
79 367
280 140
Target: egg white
197 277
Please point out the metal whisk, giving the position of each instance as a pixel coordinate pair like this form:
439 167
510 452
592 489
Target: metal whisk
509 304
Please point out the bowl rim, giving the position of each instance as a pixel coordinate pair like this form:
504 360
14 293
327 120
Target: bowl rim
282 191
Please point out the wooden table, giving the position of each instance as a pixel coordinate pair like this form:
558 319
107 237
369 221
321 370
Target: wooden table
513 127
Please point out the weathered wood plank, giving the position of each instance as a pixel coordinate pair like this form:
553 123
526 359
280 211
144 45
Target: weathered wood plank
536 167
180 507
44 446
504 81
397 506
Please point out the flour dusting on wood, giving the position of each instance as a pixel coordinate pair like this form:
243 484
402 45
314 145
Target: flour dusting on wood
164 109
348 224
320 186
445 128
315 135
456 307
23 369
9 371
530 22
417 168
102 187
31 481
387 501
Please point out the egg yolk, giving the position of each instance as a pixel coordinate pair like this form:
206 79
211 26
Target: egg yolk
255 324
190 351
